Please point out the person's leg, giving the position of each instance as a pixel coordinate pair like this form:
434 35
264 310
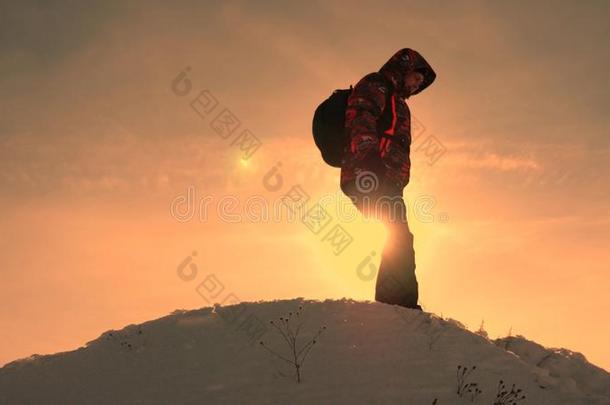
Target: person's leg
396 281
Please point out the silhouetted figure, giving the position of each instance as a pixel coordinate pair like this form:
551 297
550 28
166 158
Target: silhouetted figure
376 167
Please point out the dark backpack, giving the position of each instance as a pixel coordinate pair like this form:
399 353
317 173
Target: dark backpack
328 125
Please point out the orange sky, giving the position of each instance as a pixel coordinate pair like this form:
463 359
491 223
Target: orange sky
95 146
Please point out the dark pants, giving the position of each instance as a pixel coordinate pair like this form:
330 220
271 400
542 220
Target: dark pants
396 281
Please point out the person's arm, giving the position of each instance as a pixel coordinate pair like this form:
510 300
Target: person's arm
364 107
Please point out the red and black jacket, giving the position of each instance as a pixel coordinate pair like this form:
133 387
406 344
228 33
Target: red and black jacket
386 153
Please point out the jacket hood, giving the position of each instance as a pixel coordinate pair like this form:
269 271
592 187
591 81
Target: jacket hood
401 63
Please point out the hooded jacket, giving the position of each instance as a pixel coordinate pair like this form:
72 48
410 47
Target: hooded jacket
386 153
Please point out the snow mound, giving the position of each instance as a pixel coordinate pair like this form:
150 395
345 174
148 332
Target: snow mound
368 352
562 368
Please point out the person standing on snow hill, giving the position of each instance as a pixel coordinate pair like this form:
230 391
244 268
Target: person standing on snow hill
376 167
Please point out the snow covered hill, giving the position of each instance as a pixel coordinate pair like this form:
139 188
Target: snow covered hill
366 353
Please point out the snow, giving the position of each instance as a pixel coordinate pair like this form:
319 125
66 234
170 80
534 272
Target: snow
368 353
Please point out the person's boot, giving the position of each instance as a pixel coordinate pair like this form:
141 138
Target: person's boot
404 304
389 291
410 306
